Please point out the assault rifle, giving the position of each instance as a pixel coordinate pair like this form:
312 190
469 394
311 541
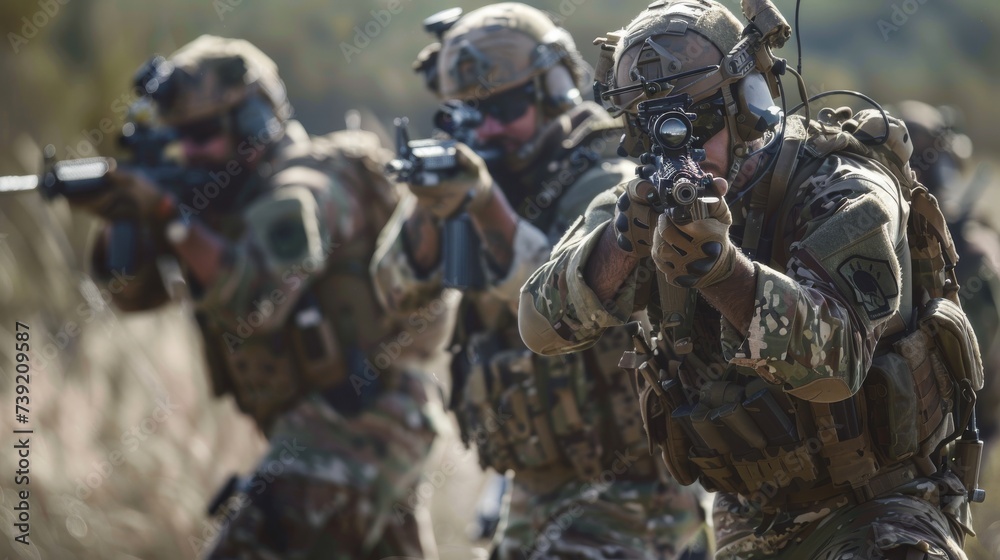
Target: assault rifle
88 177
671 164
428 162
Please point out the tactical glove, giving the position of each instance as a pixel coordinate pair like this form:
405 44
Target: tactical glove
130 196
695 253
635 218
472 182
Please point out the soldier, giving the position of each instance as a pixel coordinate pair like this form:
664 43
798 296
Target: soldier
941 161
784 374
276 259
584 484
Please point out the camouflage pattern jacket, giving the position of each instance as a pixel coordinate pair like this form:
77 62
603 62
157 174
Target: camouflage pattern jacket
832 285
293 308
558 418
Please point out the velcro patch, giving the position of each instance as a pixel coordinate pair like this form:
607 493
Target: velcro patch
873 284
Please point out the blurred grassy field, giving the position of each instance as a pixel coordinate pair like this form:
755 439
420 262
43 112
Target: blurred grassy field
128 448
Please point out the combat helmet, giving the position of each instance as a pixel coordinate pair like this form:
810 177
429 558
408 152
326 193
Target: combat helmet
698 48
500 47
215 76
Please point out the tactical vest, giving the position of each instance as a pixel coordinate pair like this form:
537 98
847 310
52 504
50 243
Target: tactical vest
548 418
329 340
740 434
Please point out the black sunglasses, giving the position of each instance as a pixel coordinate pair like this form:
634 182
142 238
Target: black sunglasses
203 130
507 106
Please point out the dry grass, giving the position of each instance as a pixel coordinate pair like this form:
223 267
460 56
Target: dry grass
127 446
116 375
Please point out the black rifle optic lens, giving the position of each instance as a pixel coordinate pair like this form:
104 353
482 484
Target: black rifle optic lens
454 117
673 132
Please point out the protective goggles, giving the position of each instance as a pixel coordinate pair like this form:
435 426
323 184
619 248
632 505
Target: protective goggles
204 130
710 120
507 106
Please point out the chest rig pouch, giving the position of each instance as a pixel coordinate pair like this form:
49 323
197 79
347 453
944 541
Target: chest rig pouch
732 433
920 391
528 412
267 373
738 434
319 344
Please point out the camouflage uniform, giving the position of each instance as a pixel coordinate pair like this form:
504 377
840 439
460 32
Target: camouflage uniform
566 425
940 159
817 478
292 329
584 483
802 338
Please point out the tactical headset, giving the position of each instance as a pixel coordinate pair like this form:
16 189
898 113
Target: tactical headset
746 81
539 89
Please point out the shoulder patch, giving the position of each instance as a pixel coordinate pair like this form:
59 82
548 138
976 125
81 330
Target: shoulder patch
873 283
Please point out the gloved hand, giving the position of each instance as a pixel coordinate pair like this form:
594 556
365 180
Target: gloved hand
130 196
698 253
473 181
635 218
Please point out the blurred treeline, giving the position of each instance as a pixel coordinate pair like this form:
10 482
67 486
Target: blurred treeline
72 72
68 65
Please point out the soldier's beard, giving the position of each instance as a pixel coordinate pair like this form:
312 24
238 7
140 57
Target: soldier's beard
224 190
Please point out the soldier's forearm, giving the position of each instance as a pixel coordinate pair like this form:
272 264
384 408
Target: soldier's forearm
422 234
734 296
608 266
496 223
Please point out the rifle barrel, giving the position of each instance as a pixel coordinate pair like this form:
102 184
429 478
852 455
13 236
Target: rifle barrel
16 183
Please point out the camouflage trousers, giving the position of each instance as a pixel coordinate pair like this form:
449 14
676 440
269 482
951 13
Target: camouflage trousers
621 519
337 487
926 518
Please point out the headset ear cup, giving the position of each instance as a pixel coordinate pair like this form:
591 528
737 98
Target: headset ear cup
756 107
255 118
559 90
